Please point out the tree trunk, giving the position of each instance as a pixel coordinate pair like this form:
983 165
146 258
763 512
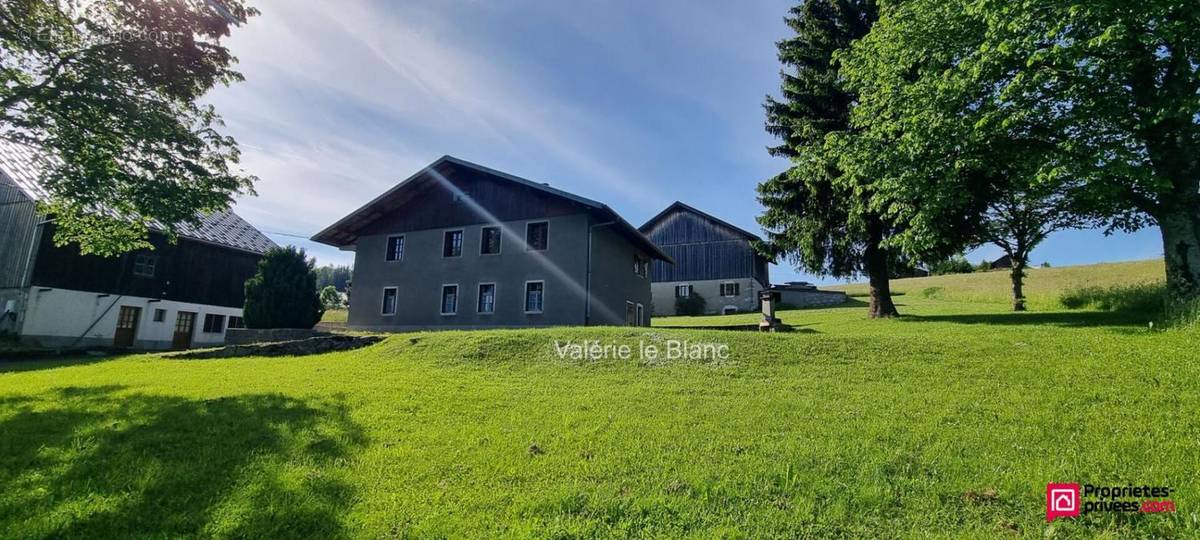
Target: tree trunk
877 274
1018 282
1180 228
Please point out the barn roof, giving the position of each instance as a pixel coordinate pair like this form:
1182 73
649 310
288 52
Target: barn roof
22 166
678 206
345 231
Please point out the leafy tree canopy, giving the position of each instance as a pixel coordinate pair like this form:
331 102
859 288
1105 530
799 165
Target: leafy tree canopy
109 91
1095 102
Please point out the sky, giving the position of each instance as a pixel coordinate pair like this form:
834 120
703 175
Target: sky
636 104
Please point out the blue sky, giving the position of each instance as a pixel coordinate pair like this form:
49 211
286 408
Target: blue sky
636 104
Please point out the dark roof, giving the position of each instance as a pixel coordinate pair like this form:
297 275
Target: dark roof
22 166
680 206
345 231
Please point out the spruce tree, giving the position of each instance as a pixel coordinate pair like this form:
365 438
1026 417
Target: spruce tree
283 294
816 217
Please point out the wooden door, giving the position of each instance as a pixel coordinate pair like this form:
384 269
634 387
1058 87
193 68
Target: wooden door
185 323
127 323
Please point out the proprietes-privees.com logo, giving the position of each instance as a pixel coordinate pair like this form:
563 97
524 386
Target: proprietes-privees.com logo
1066 500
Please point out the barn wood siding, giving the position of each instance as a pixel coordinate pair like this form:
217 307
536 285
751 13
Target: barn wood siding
188 271
435 207
18 226
703 250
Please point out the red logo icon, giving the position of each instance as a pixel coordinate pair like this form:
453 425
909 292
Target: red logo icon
1062 500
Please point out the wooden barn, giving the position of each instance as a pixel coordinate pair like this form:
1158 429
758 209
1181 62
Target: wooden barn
713 259
173 296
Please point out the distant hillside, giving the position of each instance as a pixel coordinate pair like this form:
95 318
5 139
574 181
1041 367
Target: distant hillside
1043 286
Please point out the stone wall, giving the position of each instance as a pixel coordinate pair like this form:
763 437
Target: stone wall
243 336
813 298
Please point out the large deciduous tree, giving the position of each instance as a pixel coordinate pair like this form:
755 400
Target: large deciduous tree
1100 96
817 217
108 91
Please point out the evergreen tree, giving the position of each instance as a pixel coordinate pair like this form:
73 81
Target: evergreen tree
283 294
817 217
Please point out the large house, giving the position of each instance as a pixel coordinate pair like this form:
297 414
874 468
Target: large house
713 259
461 245
174 296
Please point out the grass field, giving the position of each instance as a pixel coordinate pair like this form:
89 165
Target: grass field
946 423
1044 287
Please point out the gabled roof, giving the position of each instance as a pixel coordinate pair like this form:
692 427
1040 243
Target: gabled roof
683 207
22 166
344 232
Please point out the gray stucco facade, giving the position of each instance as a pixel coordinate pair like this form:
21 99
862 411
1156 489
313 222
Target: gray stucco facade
587 271
714 302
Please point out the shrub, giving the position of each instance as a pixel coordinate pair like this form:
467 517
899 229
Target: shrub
283 294
954 265
983 266
331 298
692 304
932 292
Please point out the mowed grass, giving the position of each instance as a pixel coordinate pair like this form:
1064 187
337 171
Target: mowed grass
946 423
335 316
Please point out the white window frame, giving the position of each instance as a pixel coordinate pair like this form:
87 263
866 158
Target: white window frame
500 246
383 302
641 315
527 225
462 245
525 297
442 298
689 290
734 283
479 295
388 246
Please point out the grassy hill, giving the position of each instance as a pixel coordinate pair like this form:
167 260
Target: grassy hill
1044 287
947 423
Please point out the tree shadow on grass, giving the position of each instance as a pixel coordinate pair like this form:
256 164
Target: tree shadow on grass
9 364
98 462
1053 318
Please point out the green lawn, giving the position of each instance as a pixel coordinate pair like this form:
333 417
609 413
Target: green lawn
946 423
1044 287
335 316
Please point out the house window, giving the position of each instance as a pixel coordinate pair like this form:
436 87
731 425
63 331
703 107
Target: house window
730 289
160 315
630 314
389 301
537 235
144 265
641 266
535 293
683 291
452 244
487 298
489 241
236 322
214 324
449 299
395 248
641 315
